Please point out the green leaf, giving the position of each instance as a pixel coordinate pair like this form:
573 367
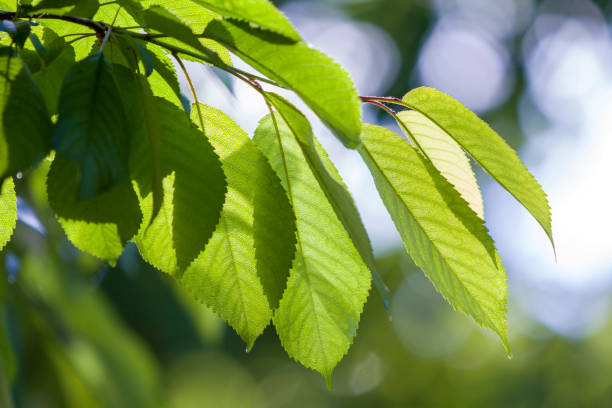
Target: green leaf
445 154
259 12
119 12
144 123
91 129
59 58
76 8
8 211
231 275
100 225
83 47
193 15
8 5
194 190
164 81
23 113
162 20
197 18
317 79
328 284
332 185
485 146
444 237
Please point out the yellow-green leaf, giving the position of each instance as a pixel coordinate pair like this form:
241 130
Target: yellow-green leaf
444 237
445 154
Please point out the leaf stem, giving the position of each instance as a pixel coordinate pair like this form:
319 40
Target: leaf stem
389 99
193 92
108 32
377 101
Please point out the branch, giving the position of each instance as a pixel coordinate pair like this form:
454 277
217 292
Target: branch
98 26
102 30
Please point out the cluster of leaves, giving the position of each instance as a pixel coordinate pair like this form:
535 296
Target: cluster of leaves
261 229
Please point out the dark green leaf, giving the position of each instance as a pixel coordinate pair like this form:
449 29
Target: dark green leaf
25 137
18 30
91 129
59 58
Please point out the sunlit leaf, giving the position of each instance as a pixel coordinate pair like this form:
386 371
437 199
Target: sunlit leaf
100 225
259 12
193 189
162 20
194 16
445 154
331 183
8 211
78 8
317 79
486 148
444 237
232 275
319 312
197 18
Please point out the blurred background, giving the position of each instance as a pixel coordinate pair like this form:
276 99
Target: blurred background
81 334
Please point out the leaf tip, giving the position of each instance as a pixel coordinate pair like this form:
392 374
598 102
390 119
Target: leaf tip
249 344
504 340
328 381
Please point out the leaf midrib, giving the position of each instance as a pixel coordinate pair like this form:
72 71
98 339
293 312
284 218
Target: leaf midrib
298 236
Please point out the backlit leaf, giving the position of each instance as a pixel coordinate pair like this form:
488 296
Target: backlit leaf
188 13
317 79
8 211
328 284
162 20
194 191
231 275
197 18
445 154
100 225
331 183
486 148
77 8
444 237
259 12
